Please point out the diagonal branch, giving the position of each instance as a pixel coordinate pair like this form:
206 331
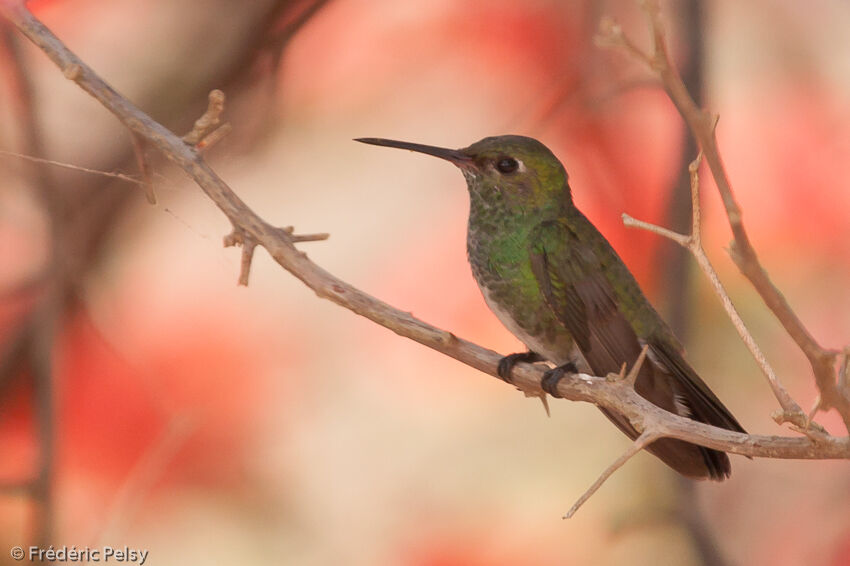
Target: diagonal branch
614 394
641 442
693 243
702 126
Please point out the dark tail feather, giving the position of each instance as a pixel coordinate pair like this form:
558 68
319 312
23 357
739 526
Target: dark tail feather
688 459
692 460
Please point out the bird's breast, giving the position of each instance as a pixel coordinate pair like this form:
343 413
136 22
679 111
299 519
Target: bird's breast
502 268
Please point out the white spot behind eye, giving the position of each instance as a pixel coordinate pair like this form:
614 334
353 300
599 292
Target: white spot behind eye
520 166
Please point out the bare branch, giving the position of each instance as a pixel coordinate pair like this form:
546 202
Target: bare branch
614 395
249 230
639 444
791 411
702 125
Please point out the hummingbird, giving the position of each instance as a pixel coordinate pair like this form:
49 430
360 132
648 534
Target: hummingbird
556 283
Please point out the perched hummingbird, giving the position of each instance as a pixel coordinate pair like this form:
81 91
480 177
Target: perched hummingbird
557 284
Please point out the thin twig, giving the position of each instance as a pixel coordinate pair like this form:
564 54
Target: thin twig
72 167
632 222
791 410
646 438
702 125
693 243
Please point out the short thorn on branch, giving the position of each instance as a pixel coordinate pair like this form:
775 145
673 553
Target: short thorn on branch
310 237
239 237
206 130
288 233
214 137
801 422
73 72
542 396
632 375
139 146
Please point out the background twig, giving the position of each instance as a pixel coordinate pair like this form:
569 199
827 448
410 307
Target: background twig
702 126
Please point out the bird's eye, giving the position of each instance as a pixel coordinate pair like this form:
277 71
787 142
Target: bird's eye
507 165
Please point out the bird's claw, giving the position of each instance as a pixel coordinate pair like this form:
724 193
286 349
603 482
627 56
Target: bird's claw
550 380
506 364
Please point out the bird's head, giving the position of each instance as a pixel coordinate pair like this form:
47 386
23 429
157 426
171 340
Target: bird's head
517 169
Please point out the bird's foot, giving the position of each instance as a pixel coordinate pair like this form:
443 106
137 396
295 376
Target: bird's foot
506 364
550 380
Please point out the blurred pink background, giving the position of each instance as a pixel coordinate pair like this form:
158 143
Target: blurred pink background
210 422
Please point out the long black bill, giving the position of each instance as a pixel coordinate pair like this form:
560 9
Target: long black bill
455 156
